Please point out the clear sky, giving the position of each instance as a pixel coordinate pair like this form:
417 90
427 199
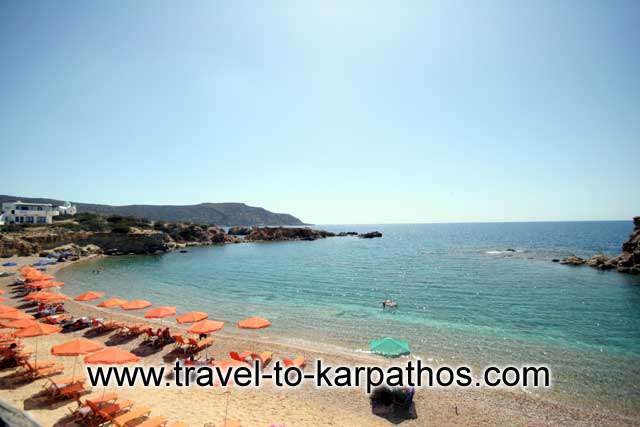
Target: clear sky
334 111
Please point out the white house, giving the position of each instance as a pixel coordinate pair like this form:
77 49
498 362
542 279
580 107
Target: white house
32 213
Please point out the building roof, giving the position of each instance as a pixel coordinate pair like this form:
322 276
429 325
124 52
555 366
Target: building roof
28 204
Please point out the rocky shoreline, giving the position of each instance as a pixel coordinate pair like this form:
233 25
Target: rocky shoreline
162 237
627 262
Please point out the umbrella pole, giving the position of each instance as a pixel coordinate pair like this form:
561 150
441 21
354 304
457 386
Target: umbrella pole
36 358
73 372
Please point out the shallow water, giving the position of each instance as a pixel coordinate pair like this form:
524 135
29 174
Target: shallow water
461 296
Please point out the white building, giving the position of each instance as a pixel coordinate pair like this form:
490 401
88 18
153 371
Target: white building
32 213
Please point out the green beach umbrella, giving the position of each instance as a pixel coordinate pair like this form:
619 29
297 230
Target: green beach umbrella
390 347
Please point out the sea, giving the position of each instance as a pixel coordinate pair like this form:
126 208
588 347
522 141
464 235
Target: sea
476 293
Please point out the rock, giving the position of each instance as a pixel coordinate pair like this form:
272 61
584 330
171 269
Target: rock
573 260
598 261
555 260
510 250
15 244
370 235
239 231
286 233
346 233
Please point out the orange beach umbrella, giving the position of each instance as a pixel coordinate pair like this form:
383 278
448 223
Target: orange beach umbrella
2 299
44 296
160 312
88 296
136 304
254 323
37 330
15 315
19 323
76 348
193 316
1 291
111 356
205 327
7 309
112 302
44 284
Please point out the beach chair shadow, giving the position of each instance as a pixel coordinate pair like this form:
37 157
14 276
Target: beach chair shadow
41 400
119 339
172 356
145 350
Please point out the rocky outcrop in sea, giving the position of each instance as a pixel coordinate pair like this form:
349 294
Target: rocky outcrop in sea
627 262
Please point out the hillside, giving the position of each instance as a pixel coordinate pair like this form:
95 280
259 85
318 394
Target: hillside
224 214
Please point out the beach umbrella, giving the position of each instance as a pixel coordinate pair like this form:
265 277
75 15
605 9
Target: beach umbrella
15 315
254 323
19 323
44 296
112 302
44 284
88 296
136 304
9 264
1 291
77 347
7 309
205 327
111 356
191 317
160 312
2 299
389 347
37 330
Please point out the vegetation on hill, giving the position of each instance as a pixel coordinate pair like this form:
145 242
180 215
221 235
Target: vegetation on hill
224 214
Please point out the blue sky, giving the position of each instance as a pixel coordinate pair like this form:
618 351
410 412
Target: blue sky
334 111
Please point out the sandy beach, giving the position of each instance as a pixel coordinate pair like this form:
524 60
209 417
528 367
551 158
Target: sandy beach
305 406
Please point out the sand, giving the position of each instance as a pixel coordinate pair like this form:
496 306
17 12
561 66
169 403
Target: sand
305 406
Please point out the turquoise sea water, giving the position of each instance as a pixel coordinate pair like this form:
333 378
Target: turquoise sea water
462 298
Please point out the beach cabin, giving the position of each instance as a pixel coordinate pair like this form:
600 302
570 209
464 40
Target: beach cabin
32 213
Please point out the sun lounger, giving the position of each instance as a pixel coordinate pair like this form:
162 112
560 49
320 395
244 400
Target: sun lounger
70 391
134 414
180 343
106 413
195 346
53 385
154 422
242 357
112 326
298 362
264 358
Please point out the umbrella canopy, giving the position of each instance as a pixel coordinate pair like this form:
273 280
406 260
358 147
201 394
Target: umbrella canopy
136 304
7 309
160 312
205 327
38 330
111 356
88 296
254 323
112 302
19 324
15 315
9 264
1 291
193 316
44 284
44 296
2 299
389 347
76 347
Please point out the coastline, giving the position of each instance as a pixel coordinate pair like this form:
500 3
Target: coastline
304 406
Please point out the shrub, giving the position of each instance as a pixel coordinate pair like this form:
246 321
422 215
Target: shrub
121 229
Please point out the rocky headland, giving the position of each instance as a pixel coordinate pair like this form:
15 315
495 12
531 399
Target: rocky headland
627 262
115 235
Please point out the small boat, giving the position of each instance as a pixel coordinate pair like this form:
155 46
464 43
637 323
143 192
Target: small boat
183 251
